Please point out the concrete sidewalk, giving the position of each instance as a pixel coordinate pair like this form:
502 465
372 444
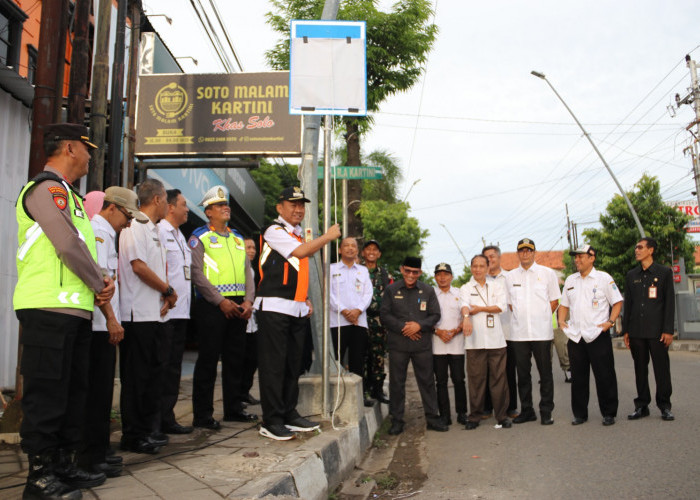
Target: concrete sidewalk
234 462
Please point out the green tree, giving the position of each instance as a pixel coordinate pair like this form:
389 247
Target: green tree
271 178
463 278
398 43
615 240
399 234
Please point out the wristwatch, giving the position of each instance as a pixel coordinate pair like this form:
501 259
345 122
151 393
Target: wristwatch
169 291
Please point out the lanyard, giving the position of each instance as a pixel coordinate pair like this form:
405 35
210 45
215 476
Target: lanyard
182 249
486 285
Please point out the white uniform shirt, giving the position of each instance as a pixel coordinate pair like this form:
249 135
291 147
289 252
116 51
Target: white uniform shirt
178 256
284 243
530 293
490 294
140 302
351 288
450 318
589 300
108 260
505 315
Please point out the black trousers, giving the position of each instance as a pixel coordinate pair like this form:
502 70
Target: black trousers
251 362
598 356
103 357
423 369
218 338
642 350
455 364
140 366
353 340
174 333
541 350
280 350
55 359
510 377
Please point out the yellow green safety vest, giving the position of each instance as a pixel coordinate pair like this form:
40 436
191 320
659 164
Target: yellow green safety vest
43 281
224 261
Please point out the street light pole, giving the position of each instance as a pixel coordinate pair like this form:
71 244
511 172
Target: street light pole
622 191
410 189
455 242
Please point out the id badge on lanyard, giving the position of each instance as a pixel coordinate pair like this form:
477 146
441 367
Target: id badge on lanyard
188 276
489 321
652 292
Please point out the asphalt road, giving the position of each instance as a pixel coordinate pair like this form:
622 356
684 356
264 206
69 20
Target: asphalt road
648 458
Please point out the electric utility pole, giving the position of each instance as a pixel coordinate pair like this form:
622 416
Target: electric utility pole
693 99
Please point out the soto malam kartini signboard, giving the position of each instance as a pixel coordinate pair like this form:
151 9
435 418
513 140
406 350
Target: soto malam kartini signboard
216 114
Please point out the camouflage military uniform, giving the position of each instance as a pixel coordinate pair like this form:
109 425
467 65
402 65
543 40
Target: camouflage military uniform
374 363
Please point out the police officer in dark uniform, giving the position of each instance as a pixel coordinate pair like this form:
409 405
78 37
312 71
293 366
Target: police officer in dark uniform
647 324
58 283
410 309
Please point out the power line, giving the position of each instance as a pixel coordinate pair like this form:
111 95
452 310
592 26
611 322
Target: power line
206 31
228 39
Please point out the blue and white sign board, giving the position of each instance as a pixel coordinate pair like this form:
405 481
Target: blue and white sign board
328 68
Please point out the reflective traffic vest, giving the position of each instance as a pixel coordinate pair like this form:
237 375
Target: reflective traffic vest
280 277
224 260
43 281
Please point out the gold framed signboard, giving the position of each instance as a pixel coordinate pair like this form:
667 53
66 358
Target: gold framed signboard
216 114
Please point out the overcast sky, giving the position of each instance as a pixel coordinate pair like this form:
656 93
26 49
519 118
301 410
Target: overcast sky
494 153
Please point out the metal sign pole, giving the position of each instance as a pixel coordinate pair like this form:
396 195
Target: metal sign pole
345 207
325 382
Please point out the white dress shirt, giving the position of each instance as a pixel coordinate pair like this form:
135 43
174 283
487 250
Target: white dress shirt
505 315
530 292
351 288
283 243
450 318
589 300
108 260
491 293
140 302
178 256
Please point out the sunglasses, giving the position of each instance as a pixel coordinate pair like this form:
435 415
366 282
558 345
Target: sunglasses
126 214
414 272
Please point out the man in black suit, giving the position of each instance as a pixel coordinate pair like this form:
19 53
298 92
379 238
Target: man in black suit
648 327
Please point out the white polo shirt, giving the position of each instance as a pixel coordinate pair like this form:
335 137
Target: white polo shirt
490 294
450 318
505 315
283 243
140 302
351 288
178 256
589 301
108 260
530 292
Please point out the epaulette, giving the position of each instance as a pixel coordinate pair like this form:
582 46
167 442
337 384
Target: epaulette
200 231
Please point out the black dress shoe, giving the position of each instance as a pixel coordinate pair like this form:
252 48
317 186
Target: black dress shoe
251 400
578 421
140 446
446 421
396 428
177 429
639 413
381 397
462 418
546 419
525 417
667 415
114 459
436 424
241 416
108 470
505 423
208 423
158 439
609 420
369 402
471 425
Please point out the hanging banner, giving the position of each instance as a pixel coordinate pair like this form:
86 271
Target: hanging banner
216 114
